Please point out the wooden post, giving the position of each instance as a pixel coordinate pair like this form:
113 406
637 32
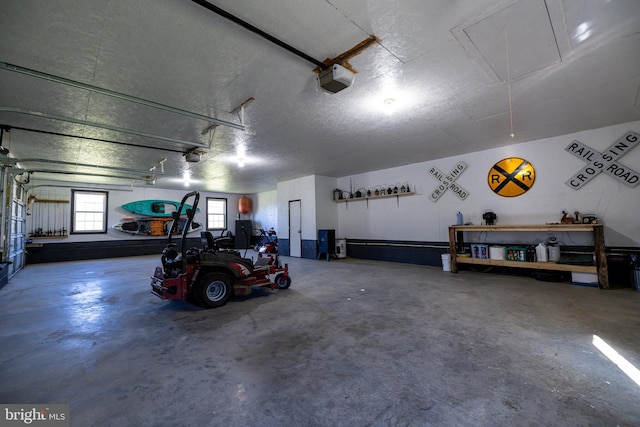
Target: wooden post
601 257
452 249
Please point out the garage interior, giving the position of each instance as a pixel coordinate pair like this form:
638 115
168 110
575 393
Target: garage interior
414 135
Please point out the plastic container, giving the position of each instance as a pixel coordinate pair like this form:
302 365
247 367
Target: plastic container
496 252
341 248
515 253
479 251
584 279
541 253
554 252
446 262
459 219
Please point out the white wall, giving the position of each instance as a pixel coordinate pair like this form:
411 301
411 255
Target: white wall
115 214
265 208
418 218
302 189
326 213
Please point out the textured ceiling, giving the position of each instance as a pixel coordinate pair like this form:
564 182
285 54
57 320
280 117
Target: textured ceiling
570 64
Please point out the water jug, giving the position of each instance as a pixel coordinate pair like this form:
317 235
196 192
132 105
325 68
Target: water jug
541 253
460 221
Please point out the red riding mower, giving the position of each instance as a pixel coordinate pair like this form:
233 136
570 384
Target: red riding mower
208 277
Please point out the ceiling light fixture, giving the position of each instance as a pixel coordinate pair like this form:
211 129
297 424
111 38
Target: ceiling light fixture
389 106
241 153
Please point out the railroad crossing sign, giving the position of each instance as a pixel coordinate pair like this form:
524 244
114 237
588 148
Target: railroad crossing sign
511 177
447 182
604 162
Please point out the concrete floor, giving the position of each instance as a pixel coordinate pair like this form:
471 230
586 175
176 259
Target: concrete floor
351 343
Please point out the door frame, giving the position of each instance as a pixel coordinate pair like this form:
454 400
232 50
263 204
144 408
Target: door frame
299 238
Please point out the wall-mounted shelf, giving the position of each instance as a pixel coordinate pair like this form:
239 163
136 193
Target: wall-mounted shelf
50 201
456 240
382 196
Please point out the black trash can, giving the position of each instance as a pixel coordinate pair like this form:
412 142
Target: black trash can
618 266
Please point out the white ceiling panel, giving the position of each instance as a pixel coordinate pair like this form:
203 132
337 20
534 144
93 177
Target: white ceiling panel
443 64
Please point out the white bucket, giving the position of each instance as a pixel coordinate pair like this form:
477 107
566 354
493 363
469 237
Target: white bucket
446 262
496 252
341 248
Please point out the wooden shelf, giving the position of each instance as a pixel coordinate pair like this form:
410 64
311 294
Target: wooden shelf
50 201
533 265
531 227
382 196
456 240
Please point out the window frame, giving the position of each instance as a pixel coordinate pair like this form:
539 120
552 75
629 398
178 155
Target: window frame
226 212
105 212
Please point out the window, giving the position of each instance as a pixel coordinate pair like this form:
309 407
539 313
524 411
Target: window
216 214
89 210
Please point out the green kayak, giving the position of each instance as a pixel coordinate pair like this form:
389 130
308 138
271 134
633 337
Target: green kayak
155 208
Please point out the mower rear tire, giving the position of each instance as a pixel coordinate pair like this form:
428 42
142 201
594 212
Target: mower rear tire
213 290
282 282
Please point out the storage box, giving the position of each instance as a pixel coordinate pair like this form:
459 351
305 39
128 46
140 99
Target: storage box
584 279
480 251
515 253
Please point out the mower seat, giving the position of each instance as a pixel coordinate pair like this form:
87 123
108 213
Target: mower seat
206 238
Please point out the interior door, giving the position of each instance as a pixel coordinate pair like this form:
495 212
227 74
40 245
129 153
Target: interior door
295 228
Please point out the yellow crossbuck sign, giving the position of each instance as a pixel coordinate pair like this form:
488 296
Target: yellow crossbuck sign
511 177
604 162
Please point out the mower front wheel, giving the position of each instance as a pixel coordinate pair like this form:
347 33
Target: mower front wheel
282 282
213 290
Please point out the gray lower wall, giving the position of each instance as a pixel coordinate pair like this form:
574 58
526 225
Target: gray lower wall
421 253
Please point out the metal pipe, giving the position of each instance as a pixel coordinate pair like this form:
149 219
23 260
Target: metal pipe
114 94
60 162
80 173
269 37
99 125
88 138
102 187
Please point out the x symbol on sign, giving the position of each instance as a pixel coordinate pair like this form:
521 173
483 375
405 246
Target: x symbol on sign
604 162
447 182
511 177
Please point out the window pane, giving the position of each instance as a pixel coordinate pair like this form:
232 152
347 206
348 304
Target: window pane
216 214
89 212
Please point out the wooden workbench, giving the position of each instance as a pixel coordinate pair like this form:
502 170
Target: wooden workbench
456 240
